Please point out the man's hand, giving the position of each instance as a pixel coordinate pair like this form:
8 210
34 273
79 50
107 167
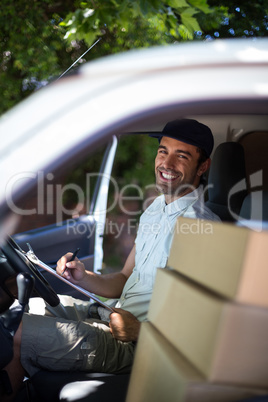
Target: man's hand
74 271
124 326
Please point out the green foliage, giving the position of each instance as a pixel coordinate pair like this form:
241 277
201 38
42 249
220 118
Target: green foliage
136 153
41 39
235 19
78 175
117 20
32 47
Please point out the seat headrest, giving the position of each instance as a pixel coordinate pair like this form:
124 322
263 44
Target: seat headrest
227 170
255 206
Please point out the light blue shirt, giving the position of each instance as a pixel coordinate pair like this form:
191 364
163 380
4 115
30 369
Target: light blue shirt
153 244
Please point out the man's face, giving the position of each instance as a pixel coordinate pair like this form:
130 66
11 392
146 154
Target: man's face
176 168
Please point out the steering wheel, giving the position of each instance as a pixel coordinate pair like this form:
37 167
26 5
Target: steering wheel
19 261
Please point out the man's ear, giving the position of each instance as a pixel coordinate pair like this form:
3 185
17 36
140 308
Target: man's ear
204 167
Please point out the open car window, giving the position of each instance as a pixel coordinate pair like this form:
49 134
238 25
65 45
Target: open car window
74 206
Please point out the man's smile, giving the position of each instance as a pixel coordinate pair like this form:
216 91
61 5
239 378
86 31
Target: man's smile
168 176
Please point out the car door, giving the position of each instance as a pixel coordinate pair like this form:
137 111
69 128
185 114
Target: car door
84 232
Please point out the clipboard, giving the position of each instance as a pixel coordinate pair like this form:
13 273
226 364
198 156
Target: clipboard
35 260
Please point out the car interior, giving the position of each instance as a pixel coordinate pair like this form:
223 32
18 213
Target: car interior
237 188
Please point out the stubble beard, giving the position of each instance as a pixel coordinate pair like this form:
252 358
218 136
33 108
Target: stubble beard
180 190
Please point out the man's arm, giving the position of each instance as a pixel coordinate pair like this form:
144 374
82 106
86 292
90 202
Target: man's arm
108 285
123 325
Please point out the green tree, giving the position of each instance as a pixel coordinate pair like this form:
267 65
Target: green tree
242 19
40 39
133 24
32 46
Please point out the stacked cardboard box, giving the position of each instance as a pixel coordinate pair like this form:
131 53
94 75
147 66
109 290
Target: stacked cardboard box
229 260
207 336
162 374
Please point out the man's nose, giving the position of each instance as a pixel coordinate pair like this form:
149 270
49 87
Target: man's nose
169 162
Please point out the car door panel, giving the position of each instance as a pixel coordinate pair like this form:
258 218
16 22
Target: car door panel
51 242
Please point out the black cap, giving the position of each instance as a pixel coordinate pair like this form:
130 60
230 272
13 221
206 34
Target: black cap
189 131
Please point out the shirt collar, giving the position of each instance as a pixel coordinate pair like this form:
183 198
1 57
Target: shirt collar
183 203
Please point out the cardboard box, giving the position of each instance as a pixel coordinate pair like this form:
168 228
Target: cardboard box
227 342
161 374
230 260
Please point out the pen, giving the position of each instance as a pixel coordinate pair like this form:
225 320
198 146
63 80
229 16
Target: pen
72 258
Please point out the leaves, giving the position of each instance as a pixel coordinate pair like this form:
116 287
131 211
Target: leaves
35 45
40 40
177 3
190 23
201 5
116 17
238 18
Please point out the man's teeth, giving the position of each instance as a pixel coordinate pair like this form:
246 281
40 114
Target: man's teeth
168 176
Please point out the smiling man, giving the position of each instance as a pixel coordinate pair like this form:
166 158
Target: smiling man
178 168
182 157
68 337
